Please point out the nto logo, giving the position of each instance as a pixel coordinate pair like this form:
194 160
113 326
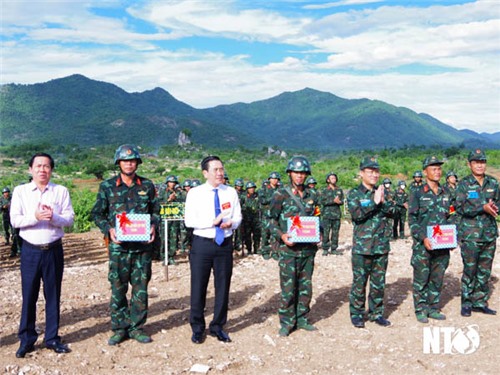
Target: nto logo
455 341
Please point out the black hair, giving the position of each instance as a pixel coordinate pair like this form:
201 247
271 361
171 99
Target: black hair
208 159
42 154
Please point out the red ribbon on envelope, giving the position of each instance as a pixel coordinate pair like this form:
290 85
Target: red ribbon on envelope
296 222
123 220
317 211
436 231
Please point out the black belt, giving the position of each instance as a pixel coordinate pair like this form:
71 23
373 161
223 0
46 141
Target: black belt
45 246
213 239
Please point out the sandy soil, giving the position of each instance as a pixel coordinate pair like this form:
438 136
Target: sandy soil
337 347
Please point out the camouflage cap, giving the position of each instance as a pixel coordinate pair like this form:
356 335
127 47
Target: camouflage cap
477 154
387 180
369 162
311 180
250 185
431 160
451 173
417 174
5 190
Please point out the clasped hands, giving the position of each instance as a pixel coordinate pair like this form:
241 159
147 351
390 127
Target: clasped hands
222 222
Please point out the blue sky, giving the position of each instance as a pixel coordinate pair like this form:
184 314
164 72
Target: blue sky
437 57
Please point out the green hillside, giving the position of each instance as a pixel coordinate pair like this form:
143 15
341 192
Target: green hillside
77 110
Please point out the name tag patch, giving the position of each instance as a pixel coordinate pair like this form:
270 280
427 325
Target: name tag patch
473 195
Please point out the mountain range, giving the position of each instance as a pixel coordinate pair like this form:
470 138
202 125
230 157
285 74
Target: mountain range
79 110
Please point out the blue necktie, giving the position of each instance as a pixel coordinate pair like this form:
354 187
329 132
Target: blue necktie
219 232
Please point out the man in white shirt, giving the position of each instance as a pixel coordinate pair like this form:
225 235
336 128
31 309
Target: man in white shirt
41 209
213 211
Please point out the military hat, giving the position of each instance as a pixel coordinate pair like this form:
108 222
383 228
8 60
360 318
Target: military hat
369 162
5 190
431 160
172 178
250 184
238 182
274 175
477 154
417 174
127 152
311 180
451 173
401 183
387 181
298 164
195 183
331 174
186 183
226 177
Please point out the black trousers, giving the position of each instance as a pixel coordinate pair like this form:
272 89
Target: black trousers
205 256
38 265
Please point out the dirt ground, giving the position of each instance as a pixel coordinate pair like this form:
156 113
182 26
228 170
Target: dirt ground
337 347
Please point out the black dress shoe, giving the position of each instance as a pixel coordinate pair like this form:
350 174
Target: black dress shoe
466 311
358 322
381 321
221 335
23 350
484 310
58 347
197 338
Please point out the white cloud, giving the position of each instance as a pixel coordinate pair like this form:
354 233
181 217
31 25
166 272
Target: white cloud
341 3
375 42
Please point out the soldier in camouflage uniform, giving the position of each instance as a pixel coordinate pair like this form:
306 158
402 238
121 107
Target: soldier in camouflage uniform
429 207
250 210
401 200
5 207
417 180
311 184
174 226
331 199
296 260
186 233
238 233
477 201
129 262
370 212
265 196
389 196
451 188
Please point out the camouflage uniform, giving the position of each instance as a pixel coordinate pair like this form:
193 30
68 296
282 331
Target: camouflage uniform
452 190
250 210
129 262
330 216
400 198
238 233
265 196
5 206
477 234
174 226
296 263
186 233
370 251
416 184
7 227
428 209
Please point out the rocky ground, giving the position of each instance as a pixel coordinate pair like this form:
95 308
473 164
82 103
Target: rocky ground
337 347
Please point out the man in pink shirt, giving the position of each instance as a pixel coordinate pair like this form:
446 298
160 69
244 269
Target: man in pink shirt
40 209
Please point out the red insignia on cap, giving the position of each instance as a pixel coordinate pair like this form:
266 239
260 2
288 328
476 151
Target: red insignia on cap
129 151
478 151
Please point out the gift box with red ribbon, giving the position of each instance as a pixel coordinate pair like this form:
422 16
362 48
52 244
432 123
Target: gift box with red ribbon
133 227
442 236
303 229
